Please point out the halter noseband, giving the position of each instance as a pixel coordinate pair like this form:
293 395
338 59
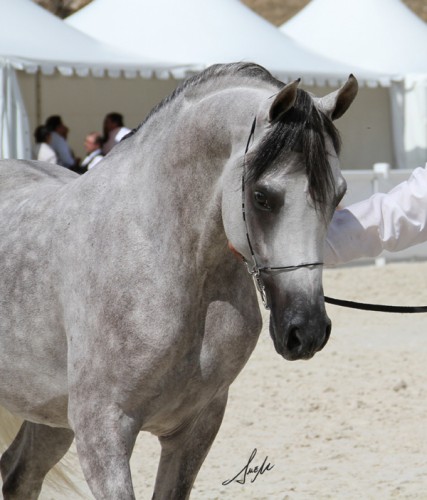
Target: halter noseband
255 270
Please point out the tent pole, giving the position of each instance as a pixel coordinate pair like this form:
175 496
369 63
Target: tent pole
38 98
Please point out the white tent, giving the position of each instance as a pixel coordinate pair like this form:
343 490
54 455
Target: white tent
384 37
32 39
15 139
205 32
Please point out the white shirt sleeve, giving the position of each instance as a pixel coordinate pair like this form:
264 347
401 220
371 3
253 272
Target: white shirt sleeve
389 221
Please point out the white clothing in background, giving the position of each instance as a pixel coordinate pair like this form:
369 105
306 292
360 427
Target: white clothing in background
45 153
114 137
92 159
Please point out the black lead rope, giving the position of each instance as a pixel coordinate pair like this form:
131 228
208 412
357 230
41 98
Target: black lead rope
376 307
256 270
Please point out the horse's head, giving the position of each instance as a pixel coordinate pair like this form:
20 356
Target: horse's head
291 186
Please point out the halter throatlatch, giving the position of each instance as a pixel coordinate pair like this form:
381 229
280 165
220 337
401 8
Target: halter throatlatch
254 269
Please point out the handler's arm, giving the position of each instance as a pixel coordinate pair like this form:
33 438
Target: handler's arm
386 221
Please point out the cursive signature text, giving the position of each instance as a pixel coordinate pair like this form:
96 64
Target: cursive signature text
250 470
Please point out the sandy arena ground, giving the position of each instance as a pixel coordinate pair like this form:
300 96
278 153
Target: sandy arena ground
349 424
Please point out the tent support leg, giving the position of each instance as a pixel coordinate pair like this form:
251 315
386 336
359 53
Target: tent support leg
38 98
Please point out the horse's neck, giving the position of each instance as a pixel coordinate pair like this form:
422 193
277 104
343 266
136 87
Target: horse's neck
171 170
191 153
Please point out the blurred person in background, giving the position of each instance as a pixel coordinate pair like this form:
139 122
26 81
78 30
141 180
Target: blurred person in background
43 150
93 147
114 131
59 144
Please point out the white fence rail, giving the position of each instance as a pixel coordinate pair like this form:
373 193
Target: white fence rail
363 183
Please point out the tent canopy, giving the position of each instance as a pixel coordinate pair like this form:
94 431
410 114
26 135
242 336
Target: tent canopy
382 36
205 32
32 38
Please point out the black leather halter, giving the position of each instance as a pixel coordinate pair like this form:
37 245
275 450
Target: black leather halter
254 269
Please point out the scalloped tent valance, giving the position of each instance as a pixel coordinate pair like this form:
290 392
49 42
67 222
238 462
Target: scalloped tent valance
32 38
206 32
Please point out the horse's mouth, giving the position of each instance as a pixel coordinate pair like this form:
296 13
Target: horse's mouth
295 343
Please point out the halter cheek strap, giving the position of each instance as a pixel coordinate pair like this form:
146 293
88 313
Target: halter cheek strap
255 270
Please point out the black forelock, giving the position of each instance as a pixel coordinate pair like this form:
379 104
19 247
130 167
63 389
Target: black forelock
302 129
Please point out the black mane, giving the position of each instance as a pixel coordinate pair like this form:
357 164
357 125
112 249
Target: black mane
301 129
216 71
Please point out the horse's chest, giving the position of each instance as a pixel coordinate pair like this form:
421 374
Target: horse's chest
207 369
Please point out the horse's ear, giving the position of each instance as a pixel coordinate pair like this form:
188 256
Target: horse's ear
336 104
284 100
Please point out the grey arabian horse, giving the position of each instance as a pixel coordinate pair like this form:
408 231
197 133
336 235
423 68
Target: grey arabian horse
121 306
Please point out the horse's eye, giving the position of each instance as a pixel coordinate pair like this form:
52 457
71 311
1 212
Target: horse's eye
261 200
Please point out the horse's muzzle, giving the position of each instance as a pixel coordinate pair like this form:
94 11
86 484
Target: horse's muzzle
299 337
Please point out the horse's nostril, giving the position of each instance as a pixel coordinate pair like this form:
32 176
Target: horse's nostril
294 341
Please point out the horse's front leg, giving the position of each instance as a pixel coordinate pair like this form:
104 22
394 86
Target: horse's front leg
34 451
184 452
105 438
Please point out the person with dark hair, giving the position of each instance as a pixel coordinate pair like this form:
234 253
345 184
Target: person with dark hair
43 150
114 131
93 146
389 221
59 133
